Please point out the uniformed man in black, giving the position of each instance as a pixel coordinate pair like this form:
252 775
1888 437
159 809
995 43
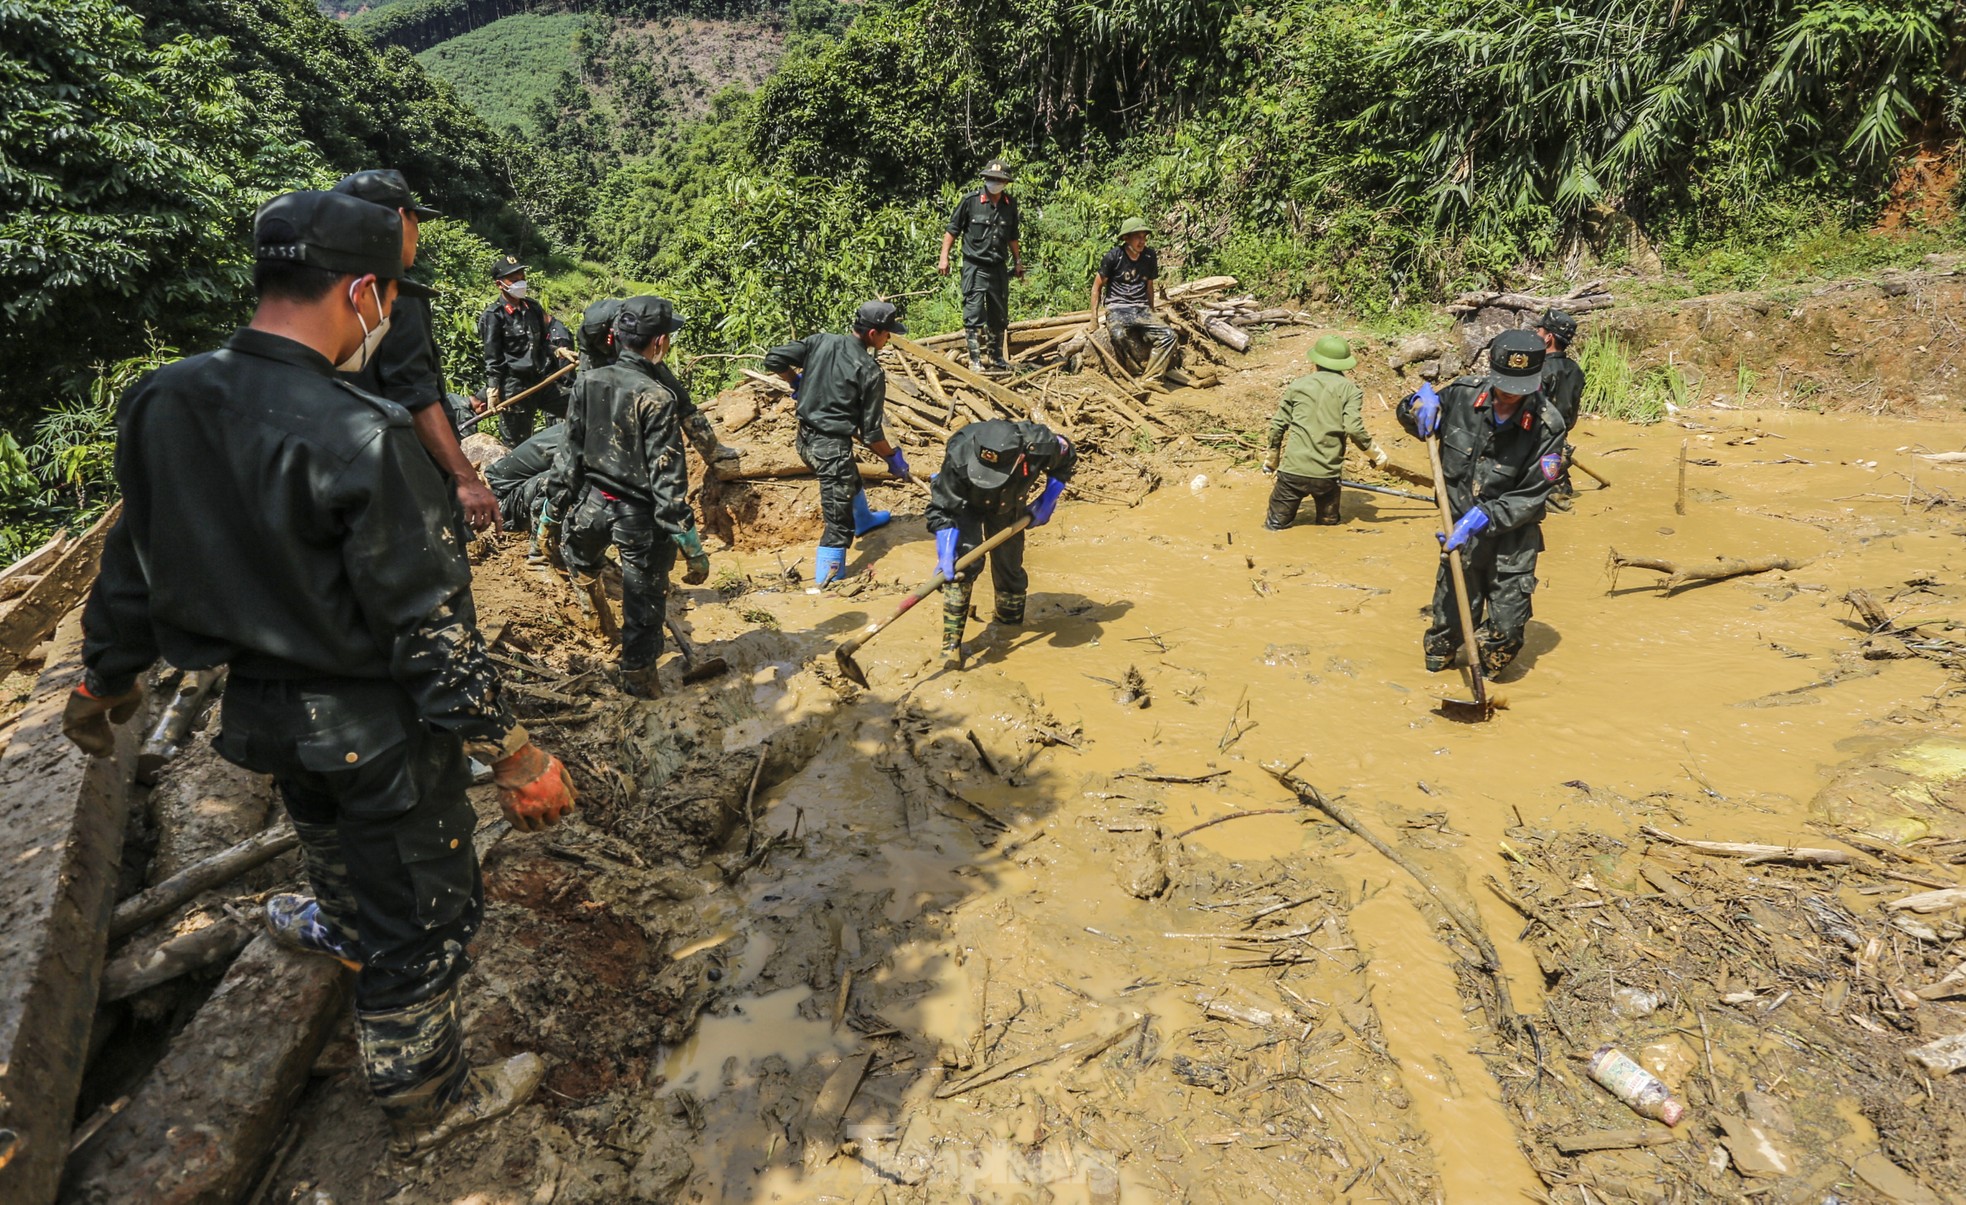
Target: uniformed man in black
989 470
842 395
521 479
1563 385
986 222
518 354
597 333
624 454
406 367
280 521
1501 450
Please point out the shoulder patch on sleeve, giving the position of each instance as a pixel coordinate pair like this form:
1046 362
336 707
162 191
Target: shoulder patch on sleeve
1552 466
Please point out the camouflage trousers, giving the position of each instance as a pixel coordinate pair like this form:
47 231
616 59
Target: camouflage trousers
1007 577
378 801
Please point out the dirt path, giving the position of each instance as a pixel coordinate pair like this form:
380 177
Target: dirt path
982 958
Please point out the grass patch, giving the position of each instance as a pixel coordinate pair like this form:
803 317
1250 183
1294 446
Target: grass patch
1614 388
500 69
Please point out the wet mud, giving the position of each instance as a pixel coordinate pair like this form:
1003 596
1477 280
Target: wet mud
1050 929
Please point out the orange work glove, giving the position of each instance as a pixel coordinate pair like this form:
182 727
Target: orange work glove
87 718
533 788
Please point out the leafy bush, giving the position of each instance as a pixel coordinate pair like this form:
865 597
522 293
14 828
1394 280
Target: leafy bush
507 67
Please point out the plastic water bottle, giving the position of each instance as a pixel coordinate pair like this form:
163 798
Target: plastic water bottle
1644 1092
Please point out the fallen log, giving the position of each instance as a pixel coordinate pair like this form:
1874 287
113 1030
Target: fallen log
201 1125
1753 853
1102 344
27 623
62 816
173 725
756 463
1944 1056
37 562
153 903
1719 569
774 383
1225 334
203 806
1930 901
1198 288
140 970
955 338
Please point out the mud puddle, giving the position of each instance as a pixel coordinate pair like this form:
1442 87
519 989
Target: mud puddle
974 942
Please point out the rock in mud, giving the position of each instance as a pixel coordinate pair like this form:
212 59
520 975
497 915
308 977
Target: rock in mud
1140 862
1752 1148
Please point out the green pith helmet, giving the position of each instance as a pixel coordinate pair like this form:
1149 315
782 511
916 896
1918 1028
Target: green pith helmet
1333 353
1134 226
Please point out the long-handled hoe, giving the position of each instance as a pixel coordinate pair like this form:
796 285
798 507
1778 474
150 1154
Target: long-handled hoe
844 653
1479 707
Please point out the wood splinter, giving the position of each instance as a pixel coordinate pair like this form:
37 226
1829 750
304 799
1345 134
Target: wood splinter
1719 569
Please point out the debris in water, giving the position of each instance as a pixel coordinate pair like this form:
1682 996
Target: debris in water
1633 1084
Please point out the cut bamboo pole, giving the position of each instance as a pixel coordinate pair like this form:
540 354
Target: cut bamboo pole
1679 504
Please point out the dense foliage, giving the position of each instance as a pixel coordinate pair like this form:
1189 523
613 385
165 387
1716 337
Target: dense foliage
505 70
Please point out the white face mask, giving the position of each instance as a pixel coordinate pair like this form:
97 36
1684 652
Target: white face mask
359 358
993 187
516 290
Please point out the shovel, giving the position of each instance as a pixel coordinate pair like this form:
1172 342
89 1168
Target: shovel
1479 705
844 653
514 400
695 668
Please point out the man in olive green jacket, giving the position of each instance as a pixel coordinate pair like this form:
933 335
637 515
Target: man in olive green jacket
1319 412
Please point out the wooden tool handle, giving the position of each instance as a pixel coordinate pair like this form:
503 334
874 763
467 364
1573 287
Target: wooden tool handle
932 584
1459 575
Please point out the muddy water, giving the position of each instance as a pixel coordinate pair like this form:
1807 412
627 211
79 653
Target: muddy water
1259 647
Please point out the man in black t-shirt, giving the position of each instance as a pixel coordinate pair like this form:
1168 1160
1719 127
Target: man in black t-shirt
1126 277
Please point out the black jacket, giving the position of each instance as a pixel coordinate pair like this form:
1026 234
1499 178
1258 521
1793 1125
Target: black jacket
406 367
279 520
1507 470
954 495
625 435
1563 385
843 388
517 352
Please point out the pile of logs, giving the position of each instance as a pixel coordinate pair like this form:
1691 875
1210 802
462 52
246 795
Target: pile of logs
41 587
1581 300
1066 373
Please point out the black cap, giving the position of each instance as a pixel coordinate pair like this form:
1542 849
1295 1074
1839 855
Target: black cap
1515 361
506 265
878 316
331 230
997 169
384 186
1000 454
1560 324
597 325
643 318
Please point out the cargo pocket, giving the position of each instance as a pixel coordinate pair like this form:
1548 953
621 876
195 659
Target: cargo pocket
350 731
436 851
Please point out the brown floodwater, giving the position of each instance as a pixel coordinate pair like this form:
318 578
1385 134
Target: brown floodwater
1260 647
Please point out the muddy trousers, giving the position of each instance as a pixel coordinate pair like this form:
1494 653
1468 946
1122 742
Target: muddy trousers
1007 577
986 306
1289 493
378 800
647 556
830 457
1500 583
1134 327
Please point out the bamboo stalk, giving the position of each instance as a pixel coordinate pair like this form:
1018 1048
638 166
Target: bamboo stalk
1679 504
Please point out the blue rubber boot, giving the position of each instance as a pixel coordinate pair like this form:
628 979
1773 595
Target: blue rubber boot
865 517
828 565
296 921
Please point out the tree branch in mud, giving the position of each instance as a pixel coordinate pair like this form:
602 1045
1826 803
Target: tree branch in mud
1719 569
1754 854
222 867
1507 1019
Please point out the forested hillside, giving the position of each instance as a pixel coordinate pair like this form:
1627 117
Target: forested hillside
1365 153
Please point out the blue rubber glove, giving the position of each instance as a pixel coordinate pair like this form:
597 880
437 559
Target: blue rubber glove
898 465
1470 525
1046 503
945 552
1426 412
